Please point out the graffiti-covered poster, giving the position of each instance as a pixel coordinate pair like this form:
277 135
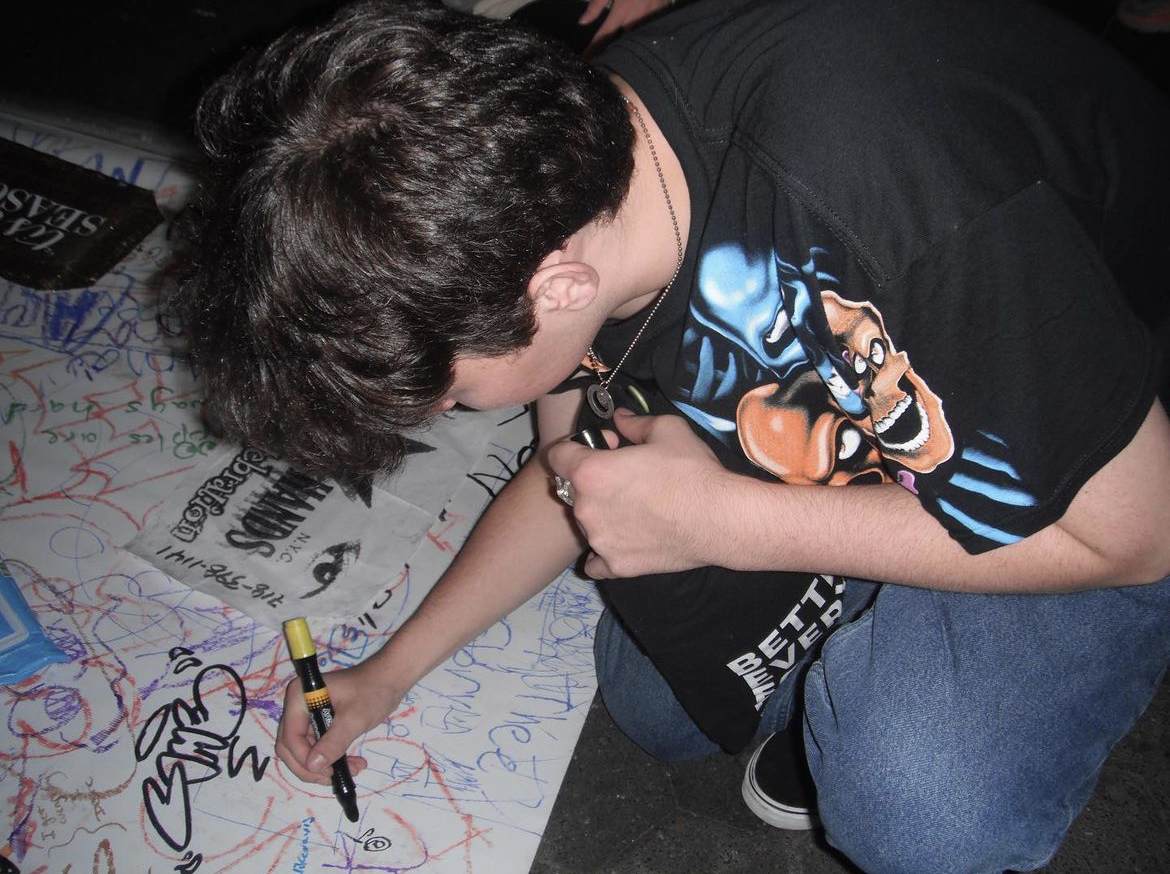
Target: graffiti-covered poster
144 741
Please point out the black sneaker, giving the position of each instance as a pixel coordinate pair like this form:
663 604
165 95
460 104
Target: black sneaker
777 786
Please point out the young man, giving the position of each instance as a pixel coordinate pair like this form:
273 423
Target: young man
876 245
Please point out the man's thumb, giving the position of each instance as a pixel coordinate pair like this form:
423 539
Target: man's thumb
325 752
633 427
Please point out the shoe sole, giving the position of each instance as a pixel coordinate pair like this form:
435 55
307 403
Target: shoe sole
782 816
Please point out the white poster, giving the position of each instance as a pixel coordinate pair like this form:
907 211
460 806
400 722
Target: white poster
150 747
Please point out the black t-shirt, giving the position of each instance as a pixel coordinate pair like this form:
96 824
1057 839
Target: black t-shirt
723 639
914 225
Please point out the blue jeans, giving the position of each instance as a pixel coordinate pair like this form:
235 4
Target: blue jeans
945 732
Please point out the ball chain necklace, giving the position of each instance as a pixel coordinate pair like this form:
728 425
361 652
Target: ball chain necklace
598 396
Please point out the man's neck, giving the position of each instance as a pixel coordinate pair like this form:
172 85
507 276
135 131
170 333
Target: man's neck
643 234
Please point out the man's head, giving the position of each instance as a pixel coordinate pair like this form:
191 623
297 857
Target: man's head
378 192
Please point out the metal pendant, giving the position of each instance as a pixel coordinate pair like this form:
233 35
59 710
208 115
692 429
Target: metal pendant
600 401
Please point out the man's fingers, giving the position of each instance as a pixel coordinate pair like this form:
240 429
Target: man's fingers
296 764
331 746
297 745
294 735
634 428
563 457
594 9
356 763
596 569
321 778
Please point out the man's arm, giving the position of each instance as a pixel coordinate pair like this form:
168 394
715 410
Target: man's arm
619 15
524 540
685 510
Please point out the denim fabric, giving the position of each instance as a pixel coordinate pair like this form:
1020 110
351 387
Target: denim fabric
946 732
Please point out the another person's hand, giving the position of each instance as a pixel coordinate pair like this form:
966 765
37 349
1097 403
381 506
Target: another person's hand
360 701
619 15
648 508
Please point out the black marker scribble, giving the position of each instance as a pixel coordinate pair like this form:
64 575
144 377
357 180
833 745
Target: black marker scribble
182 658
372 842
190 737
521 412
340 554
507 470
190 864
360 488
417 447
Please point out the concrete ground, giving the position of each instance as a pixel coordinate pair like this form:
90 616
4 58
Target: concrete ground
130 70
621 812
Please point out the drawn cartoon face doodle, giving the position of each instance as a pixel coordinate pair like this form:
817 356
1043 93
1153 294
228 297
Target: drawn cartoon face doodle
907 417
795 435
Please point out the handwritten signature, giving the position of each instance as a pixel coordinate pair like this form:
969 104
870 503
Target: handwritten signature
188 739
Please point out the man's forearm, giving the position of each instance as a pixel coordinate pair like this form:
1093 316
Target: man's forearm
882 533
1113 533
523 542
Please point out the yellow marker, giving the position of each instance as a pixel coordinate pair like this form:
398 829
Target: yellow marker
304 657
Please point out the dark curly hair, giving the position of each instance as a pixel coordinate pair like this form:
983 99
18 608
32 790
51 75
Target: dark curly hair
378 191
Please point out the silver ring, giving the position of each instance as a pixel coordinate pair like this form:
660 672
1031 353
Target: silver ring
564 490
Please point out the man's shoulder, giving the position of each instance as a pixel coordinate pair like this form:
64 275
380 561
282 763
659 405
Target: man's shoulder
895 121
854 52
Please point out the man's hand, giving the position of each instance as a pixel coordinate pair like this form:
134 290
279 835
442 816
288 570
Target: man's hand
361 701
619 15
646 508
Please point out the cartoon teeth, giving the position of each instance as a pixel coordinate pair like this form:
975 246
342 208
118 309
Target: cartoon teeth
915 441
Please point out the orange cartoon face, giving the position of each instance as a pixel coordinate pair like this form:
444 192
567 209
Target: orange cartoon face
906 417
793 435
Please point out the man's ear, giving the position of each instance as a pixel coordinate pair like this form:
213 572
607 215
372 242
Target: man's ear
561 284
